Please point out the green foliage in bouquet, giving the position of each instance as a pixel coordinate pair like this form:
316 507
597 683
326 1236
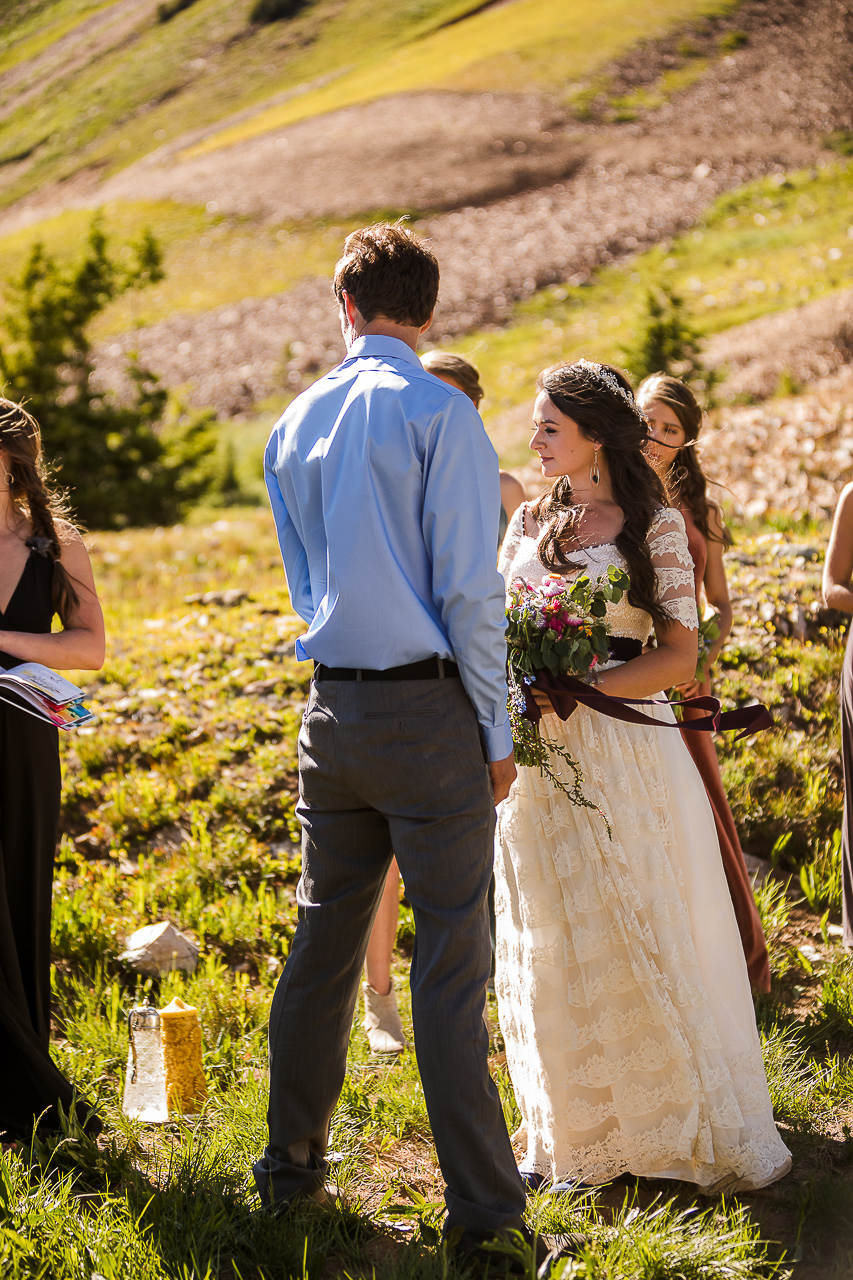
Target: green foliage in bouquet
557 627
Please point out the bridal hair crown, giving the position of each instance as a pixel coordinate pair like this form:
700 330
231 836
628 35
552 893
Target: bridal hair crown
601 374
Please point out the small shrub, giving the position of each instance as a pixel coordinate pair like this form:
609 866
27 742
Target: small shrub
733 40
787 384
842 142
276 10
120 469
167 10
666 342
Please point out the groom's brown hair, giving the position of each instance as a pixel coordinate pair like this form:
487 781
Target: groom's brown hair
388 271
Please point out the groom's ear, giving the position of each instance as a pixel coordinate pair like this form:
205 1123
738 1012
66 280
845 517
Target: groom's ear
424 327
349 308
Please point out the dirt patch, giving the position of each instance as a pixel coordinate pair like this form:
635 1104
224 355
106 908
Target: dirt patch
807 343
780 67
421 151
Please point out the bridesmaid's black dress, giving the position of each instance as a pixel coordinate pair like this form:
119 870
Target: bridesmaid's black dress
30 1083
847 764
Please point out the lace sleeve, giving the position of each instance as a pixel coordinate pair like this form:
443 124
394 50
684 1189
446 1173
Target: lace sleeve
512 541
674 567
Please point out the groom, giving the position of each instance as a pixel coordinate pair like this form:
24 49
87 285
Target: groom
384 489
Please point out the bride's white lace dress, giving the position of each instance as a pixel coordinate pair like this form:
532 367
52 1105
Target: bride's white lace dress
623 993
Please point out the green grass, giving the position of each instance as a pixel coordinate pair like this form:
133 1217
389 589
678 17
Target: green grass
628 106
37 31
204 64
766 246
183 796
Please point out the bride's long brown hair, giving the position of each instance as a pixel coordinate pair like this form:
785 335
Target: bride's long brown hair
20 439
615 423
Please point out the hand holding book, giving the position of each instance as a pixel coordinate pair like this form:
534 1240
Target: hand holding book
44 694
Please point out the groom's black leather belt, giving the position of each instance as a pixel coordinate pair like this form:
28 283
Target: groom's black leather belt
426 669
623 648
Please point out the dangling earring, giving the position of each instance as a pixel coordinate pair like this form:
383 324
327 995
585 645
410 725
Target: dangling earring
594 473
10 480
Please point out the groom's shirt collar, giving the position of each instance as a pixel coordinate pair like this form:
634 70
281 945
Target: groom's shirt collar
379 345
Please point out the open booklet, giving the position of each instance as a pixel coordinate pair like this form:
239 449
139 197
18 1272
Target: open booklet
45 694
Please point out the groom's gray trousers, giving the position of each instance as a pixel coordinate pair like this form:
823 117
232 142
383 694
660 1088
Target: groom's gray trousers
392 765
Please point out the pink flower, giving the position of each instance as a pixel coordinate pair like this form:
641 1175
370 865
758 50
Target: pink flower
552 586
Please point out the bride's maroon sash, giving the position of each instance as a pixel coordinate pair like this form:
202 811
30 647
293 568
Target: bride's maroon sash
566 693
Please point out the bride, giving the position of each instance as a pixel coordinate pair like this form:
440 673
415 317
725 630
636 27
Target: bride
623 994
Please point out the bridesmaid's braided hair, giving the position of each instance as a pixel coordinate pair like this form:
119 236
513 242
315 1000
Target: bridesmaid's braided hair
686 482
20 439
585 392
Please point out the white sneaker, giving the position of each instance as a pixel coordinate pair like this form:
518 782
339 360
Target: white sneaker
382 1021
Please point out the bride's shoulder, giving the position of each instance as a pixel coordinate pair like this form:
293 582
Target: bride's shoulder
667 520
523 522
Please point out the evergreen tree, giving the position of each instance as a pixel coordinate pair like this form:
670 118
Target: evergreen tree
117 468
665 342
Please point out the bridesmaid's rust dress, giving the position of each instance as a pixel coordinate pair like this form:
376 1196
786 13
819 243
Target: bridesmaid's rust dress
704 753
30 1084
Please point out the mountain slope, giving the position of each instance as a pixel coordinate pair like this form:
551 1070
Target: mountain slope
88 86
516 191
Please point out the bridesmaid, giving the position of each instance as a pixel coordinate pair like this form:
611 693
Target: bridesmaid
675 421
837 594
44 570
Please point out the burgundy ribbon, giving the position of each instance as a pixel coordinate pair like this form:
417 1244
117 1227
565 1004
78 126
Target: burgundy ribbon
566 693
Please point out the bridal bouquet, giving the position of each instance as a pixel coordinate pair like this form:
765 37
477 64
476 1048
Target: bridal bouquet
559 627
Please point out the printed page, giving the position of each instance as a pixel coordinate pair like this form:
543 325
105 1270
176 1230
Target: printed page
43 680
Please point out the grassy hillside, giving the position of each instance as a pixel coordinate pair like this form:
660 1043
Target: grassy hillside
210 260
127 84
764 247
550 44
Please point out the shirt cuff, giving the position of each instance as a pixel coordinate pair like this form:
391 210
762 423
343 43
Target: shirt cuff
498 741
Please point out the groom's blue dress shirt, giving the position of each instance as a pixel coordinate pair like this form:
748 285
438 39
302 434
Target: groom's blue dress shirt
385 492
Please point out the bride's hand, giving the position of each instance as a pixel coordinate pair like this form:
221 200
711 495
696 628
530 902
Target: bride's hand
542 701
689 690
